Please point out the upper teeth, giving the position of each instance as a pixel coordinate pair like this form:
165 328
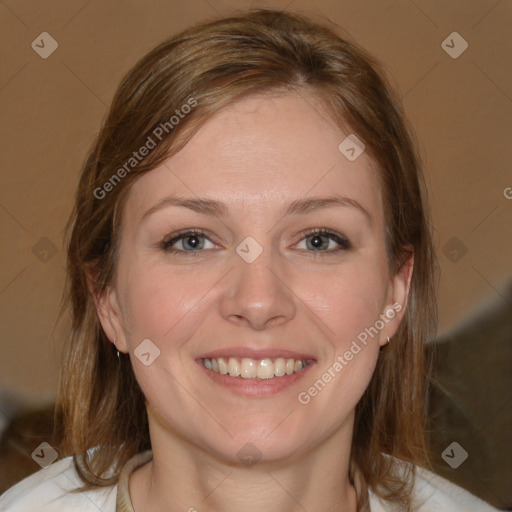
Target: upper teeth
251 368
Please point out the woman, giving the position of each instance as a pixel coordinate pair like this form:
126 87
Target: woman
250 232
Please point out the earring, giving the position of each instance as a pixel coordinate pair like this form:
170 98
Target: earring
118 356
387 342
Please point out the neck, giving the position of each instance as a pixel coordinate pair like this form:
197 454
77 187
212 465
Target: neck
182 477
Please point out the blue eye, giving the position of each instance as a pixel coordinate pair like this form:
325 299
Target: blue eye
190 242
320 240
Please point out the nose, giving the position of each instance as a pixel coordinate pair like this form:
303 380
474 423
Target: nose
258 294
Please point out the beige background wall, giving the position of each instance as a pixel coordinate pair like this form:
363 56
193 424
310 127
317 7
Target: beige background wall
51 109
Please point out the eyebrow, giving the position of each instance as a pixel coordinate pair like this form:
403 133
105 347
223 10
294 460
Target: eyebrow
219 209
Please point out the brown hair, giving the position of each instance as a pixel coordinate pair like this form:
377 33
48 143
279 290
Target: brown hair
212 65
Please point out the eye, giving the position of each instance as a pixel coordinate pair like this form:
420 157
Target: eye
192 241
319 240
188 242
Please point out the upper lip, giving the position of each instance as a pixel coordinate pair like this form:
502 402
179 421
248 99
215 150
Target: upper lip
260 353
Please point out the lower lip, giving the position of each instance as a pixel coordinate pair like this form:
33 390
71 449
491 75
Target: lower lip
256 387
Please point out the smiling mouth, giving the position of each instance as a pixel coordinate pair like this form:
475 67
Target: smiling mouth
263 369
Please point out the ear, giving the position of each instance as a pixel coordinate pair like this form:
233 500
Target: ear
398 294
109 313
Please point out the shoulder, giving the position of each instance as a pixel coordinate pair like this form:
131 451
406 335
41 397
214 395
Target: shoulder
433 493
48 491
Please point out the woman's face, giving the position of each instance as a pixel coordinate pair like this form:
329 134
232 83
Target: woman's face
255 285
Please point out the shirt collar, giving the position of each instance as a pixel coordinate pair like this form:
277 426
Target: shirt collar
123 500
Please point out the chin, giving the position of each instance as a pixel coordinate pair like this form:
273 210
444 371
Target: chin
259 444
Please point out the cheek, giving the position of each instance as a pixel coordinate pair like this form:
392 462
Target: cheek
350 302
349 306
156 301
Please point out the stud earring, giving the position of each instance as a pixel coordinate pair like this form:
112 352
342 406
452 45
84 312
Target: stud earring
118 356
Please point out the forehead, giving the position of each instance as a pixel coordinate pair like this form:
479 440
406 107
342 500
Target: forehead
260 152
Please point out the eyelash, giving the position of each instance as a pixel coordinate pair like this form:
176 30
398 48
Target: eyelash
166 244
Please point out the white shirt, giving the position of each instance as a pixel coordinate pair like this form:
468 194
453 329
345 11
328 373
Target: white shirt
45 491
